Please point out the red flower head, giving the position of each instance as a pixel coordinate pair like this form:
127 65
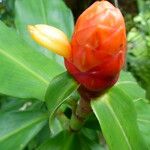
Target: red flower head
98 47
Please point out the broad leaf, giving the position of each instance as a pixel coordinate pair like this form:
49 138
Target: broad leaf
18 128
51 12
24 72
117 116
143 118
130 87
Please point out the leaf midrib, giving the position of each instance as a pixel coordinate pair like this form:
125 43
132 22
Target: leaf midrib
24 66
107 103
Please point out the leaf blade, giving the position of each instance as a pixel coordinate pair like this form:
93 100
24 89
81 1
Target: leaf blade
143 110
116 109
55 98
19 128
24 73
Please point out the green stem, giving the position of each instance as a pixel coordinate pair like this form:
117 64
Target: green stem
79 115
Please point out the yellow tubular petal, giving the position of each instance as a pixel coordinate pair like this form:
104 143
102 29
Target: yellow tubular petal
51 38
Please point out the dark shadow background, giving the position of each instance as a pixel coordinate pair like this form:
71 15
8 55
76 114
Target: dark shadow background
78 6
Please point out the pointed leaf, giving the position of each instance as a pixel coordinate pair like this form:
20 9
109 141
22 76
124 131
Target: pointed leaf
117 118
128 85
116 114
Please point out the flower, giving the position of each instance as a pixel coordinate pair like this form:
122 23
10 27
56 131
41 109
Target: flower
98 47
96 53
50 38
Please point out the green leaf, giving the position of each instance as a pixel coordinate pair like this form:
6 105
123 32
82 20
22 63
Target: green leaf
18 128
56 126
24 72
128 85
17 104
92 123
51 12
143 110
59 90
11 104
63 141
42 136
118 121
117 116
69 141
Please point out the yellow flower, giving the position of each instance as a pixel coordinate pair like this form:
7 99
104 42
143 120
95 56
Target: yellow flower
51 38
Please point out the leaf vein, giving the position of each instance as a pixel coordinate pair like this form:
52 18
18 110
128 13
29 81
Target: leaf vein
118 122
24 66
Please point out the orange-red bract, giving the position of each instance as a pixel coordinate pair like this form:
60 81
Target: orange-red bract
98 47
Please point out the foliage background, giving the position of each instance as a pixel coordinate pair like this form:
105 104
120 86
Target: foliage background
27 125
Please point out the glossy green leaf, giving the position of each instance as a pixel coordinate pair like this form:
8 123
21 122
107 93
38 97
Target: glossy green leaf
11 104
130 87
42 136
51 12
116 114
24 72
59 90
18 128
143 117
56 126
17 104
70 141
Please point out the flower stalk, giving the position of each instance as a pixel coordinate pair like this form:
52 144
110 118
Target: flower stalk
79 114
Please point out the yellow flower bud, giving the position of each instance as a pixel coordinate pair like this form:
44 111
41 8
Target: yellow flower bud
51 38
